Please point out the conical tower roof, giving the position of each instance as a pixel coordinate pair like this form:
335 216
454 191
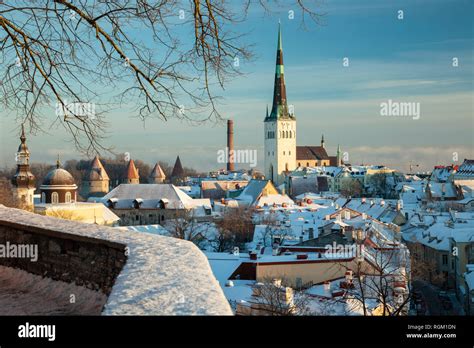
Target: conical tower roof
157 172
97 171
132 172
178 171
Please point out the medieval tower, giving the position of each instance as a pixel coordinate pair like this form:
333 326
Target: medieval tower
280 128
23 181
97 182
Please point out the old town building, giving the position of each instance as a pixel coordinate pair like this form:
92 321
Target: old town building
23 181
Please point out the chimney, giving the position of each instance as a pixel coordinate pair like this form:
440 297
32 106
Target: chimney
230 145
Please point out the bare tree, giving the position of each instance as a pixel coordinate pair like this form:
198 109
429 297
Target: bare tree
378 185
59 213
382 278
351 187
233 229
71 55
424 268
273 229
272 297
6 194
183 224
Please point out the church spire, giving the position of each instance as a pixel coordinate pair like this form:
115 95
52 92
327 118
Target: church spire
23 181
338 156
280 106
22 136
58 163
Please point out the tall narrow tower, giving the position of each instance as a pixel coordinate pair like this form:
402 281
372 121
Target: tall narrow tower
280 127
23 181
338 156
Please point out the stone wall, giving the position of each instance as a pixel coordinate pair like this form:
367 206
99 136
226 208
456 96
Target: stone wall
89 262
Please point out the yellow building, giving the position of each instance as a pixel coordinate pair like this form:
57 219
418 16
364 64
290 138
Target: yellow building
92 213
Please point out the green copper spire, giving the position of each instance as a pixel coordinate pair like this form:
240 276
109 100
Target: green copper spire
280 46
338 156
280 105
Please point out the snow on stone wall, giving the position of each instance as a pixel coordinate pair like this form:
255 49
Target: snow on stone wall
162 275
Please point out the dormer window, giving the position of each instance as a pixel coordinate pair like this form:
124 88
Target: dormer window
112 202
163 203
137 203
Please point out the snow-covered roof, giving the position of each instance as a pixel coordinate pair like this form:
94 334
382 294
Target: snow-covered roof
124 196
87 212
469 277
277 199
252 191
162 275
441 189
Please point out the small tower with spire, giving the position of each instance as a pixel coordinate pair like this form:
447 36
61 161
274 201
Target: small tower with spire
157 175
23 181
177 175
132 176
280 127
97 182
322 141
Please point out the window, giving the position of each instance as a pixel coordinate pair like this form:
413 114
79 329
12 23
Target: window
43 198
289 153
283 153
445 259
68 197
54 197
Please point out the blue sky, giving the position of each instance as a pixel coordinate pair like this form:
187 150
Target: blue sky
407 60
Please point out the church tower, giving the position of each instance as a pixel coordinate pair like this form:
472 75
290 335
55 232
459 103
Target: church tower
338 156
280 128
23 181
